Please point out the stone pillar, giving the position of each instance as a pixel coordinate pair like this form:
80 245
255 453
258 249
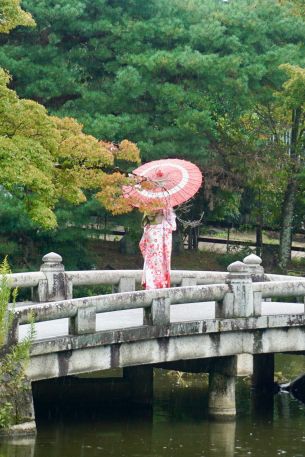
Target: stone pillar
262 395
263 372
140 379
239 301
56 285
222 388
25 404
158 313
23 408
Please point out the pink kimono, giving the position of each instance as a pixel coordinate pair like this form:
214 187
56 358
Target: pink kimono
156 248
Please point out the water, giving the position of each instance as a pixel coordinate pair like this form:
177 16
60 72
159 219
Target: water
177 425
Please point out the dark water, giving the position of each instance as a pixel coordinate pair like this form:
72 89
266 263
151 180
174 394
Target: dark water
177 425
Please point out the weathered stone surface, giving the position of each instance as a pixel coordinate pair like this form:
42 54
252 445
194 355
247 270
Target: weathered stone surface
84 321
127 284
121 301
159 312
192 281
121 348
222 388
24 429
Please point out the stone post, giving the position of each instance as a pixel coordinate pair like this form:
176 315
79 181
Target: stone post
127 284
56 285
222 388
84 321
158 313
257 273
239 301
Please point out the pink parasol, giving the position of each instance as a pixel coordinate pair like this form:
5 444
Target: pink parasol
172 180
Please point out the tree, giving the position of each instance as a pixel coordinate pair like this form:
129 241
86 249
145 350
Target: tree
292 103
45 159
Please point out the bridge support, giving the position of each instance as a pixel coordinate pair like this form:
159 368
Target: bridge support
23 411
140 379
263 372
222 388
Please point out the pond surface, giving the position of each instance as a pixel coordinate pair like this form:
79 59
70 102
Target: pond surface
177 425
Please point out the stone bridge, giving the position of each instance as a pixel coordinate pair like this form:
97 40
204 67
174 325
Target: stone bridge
243 319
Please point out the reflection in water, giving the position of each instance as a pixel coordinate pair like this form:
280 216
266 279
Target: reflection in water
18 447
222 437
177 426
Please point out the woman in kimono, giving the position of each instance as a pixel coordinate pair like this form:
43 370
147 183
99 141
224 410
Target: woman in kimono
156 248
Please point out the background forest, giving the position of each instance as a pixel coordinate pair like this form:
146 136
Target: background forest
219 83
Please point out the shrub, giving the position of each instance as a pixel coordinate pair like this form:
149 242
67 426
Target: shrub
14 355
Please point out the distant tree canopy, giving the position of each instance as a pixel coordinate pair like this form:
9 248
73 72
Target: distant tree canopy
159 73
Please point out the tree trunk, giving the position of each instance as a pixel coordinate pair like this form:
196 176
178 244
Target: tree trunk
286 225
259 227
290 194
259 239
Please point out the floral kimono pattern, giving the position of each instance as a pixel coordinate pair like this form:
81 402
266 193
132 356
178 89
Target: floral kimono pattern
156 248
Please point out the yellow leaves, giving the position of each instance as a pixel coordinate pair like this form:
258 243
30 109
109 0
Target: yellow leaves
111 195
128 151
76 149
85 151
297 7
11 15
42 215
293 94
4 79
67 126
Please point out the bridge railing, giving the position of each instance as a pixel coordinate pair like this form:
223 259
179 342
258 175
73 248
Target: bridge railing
240 295
53 283
239 292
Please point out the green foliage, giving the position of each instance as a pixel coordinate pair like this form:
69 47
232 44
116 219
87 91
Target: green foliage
234 254
13 355
25 243
158 74
6 314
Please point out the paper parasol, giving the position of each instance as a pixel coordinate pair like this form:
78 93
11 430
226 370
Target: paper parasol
171 181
